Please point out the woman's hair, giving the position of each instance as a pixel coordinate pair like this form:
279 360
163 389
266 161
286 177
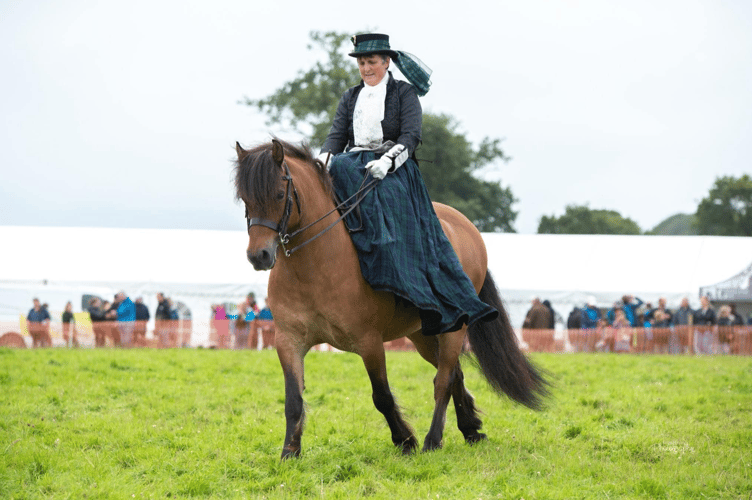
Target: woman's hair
384 57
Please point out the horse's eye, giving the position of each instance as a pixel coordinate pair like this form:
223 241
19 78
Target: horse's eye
280 196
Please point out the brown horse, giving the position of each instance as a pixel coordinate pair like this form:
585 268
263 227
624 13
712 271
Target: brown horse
318 295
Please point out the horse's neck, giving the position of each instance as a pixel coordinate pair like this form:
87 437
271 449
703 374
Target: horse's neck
331 255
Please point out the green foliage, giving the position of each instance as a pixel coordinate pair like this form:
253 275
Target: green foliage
727 210
311 98
676 225
448 162
209 424
310 102
579 219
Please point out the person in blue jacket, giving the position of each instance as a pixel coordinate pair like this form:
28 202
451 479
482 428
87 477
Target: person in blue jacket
591 315
631 304
126 318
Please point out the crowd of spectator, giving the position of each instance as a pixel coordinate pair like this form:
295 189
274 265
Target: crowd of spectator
634 325
121 322
250 326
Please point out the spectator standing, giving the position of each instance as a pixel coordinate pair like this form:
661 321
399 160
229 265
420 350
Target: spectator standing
631 304
704 321
243 325
126 317
98 317
622 332
725 322
538 316
645 320
591 315
611 313
536 330
265 322
552 321
110 324
590 320
161 320
574 320
221 326
38 321
142 318
679 342
69 323
662 318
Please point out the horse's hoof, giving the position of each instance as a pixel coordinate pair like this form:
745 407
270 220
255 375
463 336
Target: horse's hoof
409 446
290 453
431 446
475 438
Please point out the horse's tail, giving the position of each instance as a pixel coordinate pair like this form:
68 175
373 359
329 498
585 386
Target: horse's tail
505 367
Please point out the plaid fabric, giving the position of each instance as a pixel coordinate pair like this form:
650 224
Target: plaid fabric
402 247
416 72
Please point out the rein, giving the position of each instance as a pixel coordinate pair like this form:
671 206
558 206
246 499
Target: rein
281 226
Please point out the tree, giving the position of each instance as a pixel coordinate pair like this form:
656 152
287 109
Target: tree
579 219
449 163
676 225
311 98
727 210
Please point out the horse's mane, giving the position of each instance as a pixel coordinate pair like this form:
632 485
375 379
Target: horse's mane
257 179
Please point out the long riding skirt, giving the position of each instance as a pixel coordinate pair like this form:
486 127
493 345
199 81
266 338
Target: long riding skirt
402 247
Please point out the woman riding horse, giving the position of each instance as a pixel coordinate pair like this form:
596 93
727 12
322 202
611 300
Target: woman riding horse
401 245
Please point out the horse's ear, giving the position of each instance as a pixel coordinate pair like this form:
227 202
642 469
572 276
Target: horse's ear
278 152
239 150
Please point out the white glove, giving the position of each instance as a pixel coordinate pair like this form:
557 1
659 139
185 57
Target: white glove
379 167
324 158
389 161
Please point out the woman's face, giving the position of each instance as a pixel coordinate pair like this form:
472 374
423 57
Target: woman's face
373 68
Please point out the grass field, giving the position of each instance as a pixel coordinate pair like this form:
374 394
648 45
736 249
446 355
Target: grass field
209 424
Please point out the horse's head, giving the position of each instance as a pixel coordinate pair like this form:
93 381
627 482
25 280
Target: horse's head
264 183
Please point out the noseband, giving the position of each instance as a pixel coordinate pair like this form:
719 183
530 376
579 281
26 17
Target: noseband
290 192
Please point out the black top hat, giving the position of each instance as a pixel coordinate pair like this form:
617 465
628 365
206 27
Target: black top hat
372 43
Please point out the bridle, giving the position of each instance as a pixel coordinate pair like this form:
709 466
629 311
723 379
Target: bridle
291 195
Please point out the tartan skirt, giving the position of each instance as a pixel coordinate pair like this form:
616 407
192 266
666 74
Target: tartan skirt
402 247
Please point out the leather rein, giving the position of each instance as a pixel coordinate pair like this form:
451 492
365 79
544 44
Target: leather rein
291 195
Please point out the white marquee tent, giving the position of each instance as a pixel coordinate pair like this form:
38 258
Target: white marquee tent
566 269
195 268
199 268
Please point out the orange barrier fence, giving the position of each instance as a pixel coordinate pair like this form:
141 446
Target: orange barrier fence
260 334
685 339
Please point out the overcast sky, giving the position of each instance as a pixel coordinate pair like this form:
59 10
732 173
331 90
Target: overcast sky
125 113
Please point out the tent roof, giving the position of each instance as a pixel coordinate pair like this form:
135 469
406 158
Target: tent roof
736 288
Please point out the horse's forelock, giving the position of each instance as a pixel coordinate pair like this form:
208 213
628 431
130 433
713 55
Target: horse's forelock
257 177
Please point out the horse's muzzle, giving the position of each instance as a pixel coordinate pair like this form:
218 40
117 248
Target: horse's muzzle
263 259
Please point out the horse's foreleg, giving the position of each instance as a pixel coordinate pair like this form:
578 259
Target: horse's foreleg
402 434
292 366
450 347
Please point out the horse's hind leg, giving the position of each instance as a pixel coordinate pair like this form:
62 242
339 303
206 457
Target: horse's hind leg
464 406
375 363
449 349
292 366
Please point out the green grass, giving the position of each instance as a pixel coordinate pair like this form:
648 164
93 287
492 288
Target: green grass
209 424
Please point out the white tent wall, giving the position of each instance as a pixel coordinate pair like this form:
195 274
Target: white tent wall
566 269
199 268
